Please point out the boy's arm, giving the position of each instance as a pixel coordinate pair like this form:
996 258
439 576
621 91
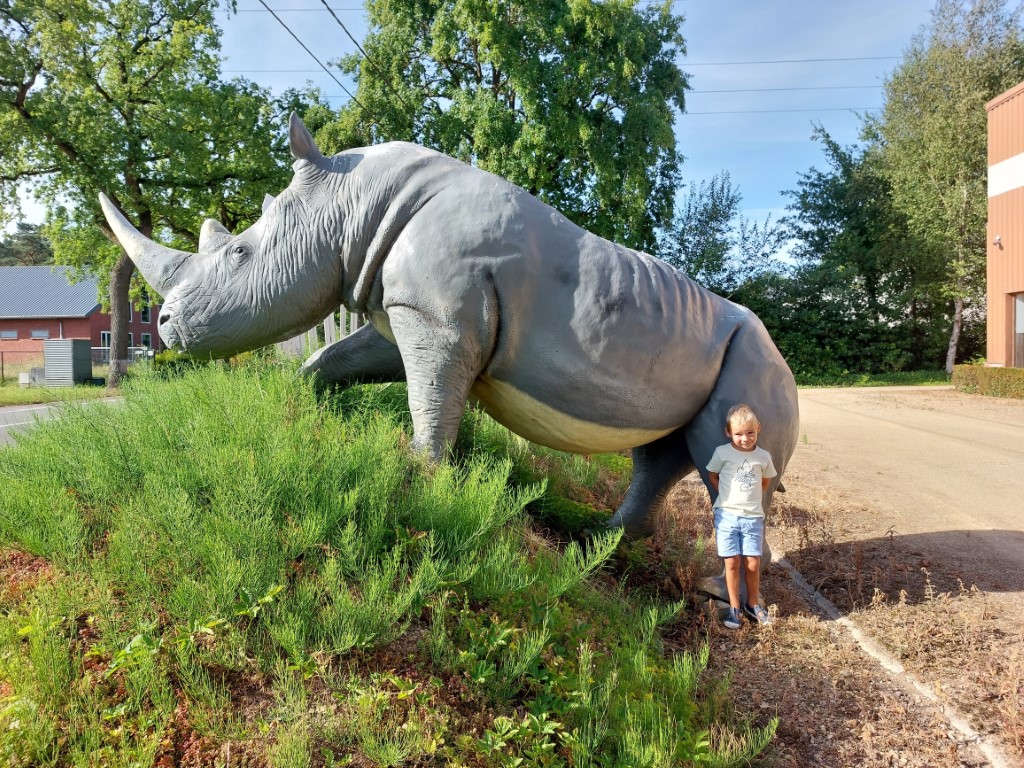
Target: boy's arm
765 482
713 479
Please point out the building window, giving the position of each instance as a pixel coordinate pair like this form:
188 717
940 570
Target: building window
9 334
147 340
104 338
147 314
131 340
40 333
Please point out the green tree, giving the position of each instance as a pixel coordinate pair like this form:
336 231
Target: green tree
123 97
712 242
571 99
855 250
27 246
932 133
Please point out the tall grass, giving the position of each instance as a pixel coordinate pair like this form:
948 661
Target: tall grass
225 538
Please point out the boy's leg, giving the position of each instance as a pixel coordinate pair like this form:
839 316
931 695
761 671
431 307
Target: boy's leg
752 544
732 579
728 536
752 572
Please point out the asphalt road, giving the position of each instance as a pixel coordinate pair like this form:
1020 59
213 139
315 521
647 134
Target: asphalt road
15 417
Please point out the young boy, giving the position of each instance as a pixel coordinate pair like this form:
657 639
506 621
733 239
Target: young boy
739 471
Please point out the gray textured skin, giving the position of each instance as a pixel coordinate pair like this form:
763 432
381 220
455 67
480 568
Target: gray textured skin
475 289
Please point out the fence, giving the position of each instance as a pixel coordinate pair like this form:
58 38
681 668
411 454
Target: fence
101 355
335 326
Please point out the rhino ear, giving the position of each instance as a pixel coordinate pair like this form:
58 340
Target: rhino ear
302 144
212 236
267 200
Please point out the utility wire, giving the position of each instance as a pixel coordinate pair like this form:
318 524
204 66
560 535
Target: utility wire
729 90
783 61
780 112
793 88
306 49
366 56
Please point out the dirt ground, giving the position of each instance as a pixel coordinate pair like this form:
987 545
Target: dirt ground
903 507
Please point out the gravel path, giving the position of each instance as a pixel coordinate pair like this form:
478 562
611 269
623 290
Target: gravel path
936 470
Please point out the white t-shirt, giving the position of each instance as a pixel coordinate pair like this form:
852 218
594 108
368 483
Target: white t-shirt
739 478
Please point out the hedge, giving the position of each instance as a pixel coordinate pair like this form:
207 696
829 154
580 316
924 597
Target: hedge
982 380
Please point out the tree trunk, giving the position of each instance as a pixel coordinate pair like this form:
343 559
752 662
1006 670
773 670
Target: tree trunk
954 337
120 280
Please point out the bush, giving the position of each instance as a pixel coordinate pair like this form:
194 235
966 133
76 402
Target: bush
231 561
995 382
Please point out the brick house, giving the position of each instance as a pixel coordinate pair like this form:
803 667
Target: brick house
1005 262
39 303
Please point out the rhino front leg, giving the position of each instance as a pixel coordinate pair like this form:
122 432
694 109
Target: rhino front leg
442 360
364 355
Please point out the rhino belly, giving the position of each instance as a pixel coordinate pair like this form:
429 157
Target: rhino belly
542 424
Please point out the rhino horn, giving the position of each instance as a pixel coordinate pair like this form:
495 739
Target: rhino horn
212 236
301 140
157 263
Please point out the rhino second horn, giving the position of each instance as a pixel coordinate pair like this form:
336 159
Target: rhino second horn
159 264
212 236
301 141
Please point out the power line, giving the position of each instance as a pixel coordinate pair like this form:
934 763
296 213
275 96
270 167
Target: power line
783 111
306 49
366 56
286 10
724 90
794 88
784 61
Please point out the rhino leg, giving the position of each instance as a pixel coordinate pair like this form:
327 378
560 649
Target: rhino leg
657 466
364 355
441 363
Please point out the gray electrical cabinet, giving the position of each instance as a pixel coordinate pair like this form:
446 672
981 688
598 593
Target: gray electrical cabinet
67 362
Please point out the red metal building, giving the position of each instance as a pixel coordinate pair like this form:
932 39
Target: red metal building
39 303
1005 330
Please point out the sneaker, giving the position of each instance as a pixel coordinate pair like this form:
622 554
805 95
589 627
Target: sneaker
732 619
757 614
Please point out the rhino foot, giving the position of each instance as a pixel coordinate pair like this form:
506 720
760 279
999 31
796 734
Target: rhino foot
634 526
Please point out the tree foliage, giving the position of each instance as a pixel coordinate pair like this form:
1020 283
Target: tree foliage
862 293
932 135
573 100
712 242
123 97
27 246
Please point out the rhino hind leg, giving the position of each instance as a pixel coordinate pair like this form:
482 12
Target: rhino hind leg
657 466
364 356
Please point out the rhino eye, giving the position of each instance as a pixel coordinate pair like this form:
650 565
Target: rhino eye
240 252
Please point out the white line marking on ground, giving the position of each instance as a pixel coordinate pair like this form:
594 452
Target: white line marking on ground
898 672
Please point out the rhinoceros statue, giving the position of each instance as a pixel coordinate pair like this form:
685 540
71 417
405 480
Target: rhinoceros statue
474 289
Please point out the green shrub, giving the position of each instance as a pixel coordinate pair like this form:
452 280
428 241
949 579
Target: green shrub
891 379
985 380
225 526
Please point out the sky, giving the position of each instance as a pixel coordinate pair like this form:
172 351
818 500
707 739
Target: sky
762 74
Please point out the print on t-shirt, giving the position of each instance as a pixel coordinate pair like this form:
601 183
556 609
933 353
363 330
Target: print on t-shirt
745 476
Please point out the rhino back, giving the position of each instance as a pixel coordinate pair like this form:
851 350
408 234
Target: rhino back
615 346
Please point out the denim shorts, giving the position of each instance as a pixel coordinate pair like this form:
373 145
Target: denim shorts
738 534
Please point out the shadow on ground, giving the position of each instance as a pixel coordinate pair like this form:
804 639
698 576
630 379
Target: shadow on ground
913 567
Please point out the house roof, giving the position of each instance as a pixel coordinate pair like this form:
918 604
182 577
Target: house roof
45 292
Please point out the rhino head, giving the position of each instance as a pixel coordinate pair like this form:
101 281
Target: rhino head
240 292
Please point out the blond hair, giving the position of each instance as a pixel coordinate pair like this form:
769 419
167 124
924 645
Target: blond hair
740 415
